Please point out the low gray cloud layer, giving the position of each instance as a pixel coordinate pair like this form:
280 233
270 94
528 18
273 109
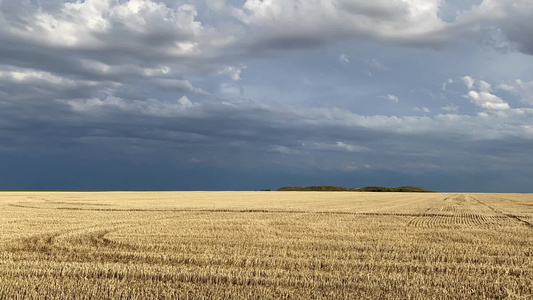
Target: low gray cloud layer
348 87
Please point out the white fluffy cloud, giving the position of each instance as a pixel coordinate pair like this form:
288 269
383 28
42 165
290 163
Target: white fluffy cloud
487 100
483 96
408 21
149 107
469 81
95 23
110 37
392 98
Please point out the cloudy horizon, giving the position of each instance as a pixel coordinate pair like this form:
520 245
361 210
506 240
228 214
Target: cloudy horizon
246 95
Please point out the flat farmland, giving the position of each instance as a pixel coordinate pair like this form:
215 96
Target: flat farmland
265 245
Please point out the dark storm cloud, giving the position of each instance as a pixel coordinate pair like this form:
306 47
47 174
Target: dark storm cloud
250 134
519 29
502 24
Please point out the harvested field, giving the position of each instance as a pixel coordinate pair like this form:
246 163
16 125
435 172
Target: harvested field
261 245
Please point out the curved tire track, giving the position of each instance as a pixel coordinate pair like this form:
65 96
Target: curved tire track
78 239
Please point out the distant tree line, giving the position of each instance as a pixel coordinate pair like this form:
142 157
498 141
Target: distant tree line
328 188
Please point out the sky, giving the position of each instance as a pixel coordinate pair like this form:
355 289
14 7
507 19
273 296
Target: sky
249 95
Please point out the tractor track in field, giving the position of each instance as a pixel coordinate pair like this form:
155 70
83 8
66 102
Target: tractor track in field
75 239
514 217
460 210
431 220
